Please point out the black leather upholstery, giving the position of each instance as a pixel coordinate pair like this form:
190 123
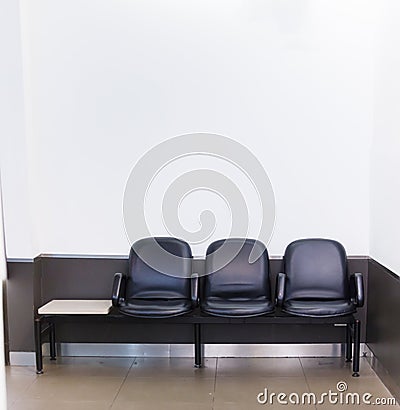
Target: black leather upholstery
357 288
150 292
316 280
156 307
318 308
240 288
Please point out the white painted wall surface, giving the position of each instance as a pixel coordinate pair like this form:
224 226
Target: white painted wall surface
3 276
292 80
13 142
385 155
9 116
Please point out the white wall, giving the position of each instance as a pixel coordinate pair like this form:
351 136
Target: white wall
13 140
3 276
11 108
385 156
292 80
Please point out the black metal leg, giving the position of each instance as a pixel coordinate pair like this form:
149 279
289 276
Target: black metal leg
348 343
52 341
197 345
38 345
356 360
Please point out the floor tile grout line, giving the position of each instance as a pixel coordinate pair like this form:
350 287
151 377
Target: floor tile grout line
215 381
307 377
14 401
35 379
304 374
10 406
306 380
123 381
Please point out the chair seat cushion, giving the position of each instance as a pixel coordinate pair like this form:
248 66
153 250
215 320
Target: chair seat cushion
319 308
236 307
156 308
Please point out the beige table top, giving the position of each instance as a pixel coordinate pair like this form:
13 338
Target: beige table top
75 307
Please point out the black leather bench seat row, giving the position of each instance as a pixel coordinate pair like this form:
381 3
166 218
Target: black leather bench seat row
236 283
313 288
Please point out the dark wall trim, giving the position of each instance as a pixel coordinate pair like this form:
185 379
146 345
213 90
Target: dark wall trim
383 329
32 283
19 306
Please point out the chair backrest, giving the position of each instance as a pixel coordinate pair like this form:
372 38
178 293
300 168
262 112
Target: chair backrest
238 279
159 268
316 269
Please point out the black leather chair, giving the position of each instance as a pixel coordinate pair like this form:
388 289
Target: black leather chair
237 288
158 283
315 282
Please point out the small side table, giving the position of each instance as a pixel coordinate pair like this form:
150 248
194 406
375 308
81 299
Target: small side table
63 307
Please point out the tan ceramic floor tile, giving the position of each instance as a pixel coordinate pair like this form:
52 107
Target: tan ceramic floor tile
58 405
356 383
176 367
162 405
71 388
87 367
358 386
259 367
18 380
167 390
238 406
361 407
20 371
333 366
244 391
173 384
246 406
358 407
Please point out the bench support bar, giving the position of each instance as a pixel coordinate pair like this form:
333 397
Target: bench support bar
38 343
52 341
352 337
197 346
349 340
356 361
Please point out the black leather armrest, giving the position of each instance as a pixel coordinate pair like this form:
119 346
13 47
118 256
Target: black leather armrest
358 286
194 283
280 288
118 288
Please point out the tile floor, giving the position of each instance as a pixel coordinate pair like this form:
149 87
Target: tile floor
173 384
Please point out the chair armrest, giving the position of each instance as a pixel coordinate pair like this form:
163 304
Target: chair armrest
358 289
194 286
118 288
280 288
